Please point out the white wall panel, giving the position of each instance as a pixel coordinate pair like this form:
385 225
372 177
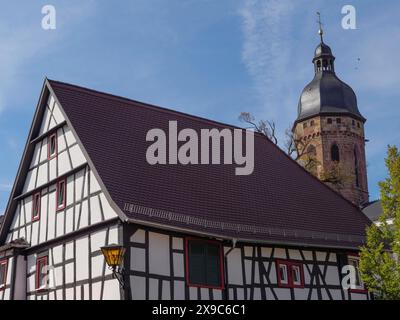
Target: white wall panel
61 139
153 289
60 224
42 177
77 156
159 253
235 275
64 164
82 259
35 157
111 290
139 283
43 218
43 153
35 233
95 211
94 184
45 122
53 169
57 114
69 272
69 136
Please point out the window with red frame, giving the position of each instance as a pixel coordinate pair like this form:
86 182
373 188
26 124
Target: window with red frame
290 274
36 206
52 146
61 195
204 267
42 273
3 273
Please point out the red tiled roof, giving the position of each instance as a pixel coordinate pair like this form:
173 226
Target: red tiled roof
279 202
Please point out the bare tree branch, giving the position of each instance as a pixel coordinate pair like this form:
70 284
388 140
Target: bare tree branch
301 150
265 127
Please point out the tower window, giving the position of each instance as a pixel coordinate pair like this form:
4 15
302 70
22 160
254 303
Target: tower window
335 153
338 120
312 123
358 125
329 120
353 122
318 65
305 125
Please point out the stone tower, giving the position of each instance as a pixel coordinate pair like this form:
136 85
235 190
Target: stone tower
329 130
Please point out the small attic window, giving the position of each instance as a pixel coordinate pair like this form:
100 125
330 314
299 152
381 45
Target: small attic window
312 123
36 206
338 120
358 125
305 125
3 273
329 120
353 122
52 146
61 195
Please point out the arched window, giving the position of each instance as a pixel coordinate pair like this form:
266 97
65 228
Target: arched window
356 169
335 153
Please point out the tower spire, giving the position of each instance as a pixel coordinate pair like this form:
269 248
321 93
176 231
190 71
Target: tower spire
320 30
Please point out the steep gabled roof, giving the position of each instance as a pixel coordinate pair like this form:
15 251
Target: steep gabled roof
280 202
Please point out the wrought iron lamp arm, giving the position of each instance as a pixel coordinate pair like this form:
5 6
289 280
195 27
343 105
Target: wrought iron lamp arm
118 273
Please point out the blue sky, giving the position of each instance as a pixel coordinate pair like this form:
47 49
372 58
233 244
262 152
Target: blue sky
205 57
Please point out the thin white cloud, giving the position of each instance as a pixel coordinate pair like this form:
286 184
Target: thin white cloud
266 49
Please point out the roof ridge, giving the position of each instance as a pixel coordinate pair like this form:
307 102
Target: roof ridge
145 104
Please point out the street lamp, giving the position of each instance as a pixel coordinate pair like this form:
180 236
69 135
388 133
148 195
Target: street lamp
114 255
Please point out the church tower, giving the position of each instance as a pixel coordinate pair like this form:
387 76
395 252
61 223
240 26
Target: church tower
329 130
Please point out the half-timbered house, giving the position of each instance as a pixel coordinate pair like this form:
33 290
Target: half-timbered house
190 231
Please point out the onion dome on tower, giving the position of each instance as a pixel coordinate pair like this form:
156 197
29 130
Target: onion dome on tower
326 94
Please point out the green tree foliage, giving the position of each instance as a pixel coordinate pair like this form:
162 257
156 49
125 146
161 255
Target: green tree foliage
379 258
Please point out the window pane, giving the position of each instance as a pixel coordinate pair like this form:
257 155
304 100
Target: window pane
60 194
213 265
42 273
36 205
204 263
2 274
283 273
296 275
197 263
53 145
